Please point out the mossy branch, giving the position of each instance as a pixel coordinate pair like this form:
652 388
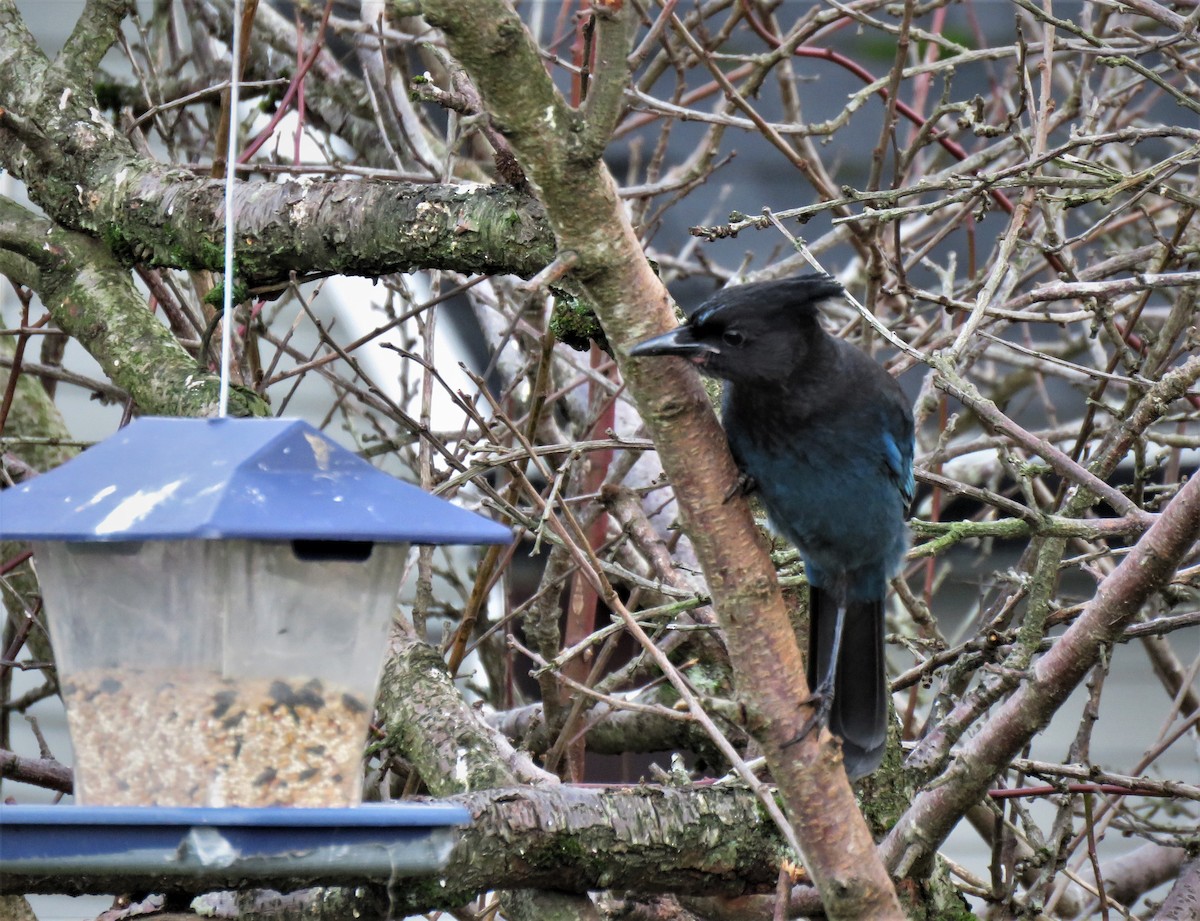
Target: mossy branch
92 299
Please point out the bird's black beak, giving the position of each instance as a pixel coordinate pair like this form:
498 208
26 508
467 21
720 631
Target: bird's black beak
680 341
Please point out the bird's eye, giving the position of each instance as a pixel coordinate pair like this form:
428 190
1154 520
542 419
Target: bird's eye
733 337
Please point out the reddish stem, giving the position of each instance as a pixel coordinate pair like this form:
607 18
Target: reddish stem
14 374
955 149
299 92
9 565
292 90
1048 790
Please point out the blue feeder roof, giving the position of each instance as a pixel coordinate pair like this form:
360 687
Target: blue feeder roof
257 479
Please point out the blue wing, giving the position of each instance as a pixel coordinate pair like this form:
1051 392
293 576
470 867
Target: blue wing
898 456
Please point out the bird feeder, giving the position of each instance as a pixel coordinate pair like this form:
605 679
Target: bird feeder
219 594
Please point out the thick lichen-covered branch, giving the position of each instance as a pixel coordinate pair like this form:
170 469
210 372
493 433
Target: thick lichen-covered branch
427 721
350 227
87 176
92 298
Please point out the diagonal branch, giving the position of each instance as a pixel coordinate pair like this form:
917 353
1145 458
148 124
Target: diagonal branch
94 33
22 64
91 298
1146 569
582 206
606 93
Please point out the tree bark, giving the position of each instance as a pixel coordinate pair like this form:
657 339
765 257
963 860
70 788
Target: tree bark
92 298
559 148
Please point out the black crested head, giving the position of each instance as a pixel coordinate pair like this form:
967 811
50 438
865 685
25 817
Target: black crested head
761 333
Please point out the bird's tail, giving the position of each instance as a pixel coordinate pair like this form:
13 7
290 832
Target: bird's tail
859 709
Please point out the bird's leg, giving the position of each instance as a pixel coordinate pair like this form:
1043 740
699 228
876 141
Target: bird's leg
744 485
821 698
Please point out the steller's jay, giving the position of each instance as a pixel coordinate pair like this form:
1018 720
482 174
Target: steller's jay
826 437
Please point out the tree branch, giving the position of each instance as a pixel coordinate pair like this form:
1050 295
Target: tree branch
91 298
450 745
41 772
94 33
145 211
583 208
1148 567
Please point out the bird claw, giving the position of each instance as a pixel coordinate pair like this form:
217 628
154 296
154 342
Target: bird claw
821 700
744 485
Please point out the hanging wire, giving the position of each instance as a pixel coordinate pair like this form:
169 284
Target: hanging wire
230 171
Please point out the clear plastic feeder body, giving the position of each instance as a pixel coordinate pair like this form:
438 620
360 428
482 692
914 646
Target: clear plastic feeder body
219 673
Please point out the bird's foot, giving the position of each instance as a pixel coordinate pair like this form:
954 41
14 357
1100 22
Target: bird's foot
821 700
744 485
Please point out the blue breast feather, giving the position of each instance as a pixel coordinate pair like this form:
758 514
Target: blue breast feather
837 486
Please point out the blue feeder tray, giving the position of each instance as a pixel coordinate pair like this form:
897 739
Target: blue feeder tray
229 846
